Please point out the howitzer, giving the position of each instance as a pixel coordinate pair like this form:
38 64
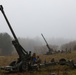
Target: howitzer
50 49
21 63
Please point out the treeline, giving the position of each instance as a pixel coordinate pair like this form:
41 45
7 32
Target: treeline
6 47
36 45
69 46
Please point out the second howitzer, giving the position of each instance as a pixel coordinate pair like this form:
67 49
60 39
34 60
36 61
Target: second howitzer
50 49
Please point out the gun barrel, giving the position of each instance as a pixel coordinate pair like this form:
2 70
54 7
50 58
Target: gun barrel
1 8
21 51
44 39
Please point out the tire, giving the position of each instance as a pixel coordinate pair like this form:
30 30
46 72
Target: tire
23 67
62 61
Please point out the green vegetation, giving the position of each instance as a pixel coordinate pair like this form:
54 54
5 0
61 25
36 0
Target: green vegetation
5 44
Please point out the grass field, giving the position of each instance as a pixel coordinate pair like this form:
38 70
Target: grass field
59 70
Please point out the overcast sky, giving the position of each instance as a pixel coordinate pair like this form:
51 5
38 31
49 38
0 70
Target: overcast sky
30 18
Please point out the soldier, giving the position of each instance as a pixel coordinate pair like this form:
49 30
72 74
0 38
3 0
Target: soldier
29 56
34 58
52 60
38 61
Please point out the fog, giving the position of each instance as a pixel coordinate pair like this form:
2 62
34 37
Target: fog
30 18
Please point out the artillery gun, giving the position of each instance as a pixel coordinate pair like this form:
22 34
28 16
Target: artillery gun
22 63
50 49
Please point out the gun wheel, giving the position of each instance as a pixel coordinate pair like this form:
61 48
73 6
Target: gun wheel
24 67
